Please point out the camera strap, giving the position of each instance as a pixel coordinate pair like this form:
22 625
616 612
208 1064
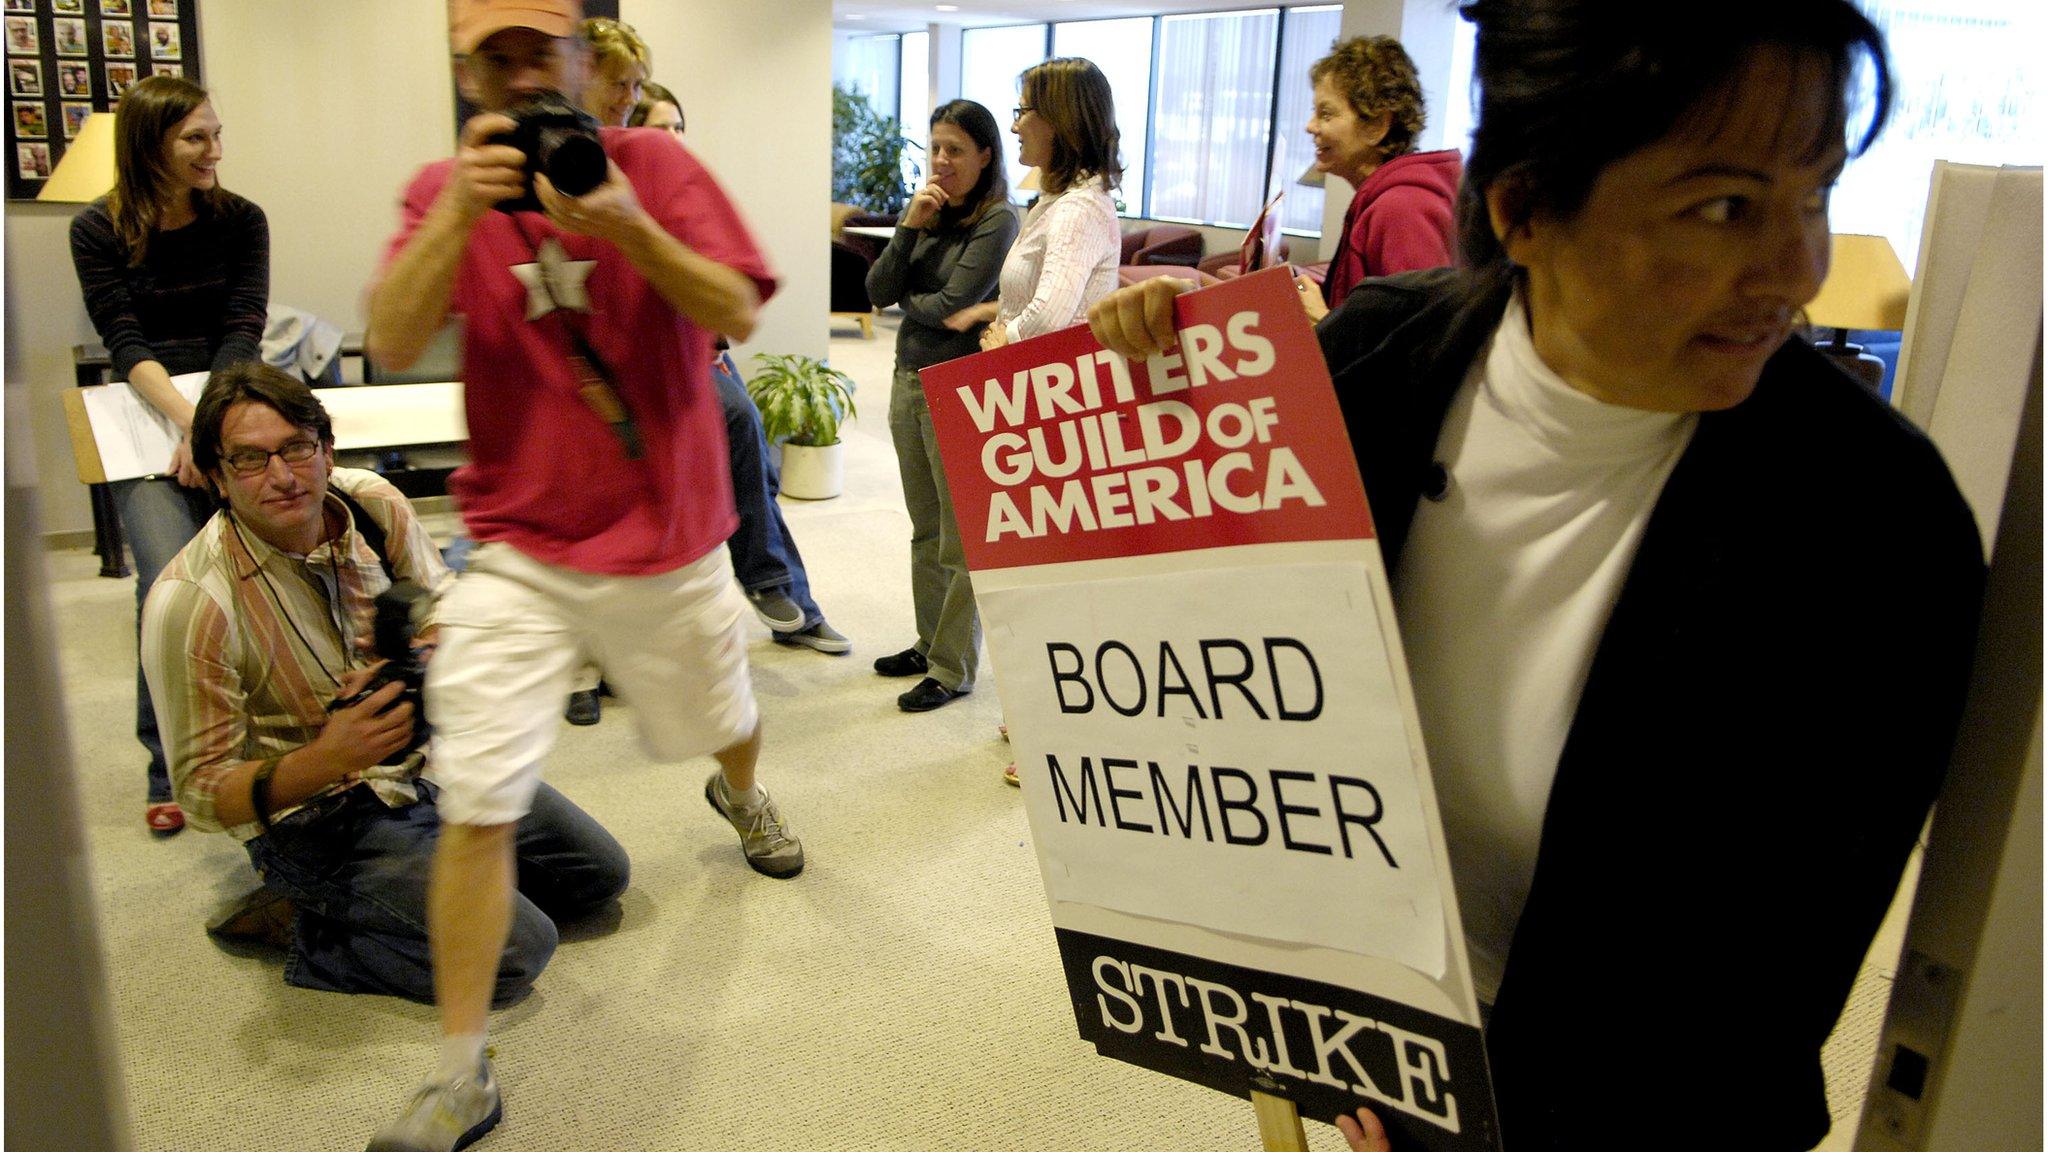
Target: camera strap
367 526
593 379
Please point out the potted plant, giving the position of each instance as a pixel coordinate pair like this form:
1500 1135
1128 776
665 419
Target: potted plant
870 165
802 401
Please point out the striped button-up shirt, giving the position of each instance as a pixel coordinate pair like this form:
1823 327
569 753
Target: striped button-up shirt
243 645
1064 260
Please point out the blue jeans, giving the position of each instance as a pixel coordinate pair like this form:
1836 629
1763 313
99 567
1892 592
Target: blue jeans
358 872
158 516
764 555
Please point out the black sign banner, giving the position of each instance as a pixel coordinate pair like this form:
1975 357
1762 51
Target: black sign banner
1327 1048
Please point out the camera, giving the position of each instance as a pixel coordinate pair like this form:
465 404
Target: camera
392 636
559 139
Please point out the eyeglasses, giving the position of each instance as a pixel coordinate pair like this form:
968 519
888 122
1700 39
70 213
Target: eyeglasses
1018 112
250 461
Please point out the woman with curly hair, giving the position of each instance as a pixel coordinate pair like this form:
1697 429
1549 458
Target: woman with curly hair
619 63
1367 113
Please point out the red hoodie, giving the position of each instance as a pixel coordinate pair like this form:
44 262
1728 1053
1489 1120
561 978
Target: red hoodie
1404 217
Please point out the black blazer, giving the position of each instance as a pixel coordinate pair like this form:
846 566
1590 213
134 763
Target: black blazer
1768 716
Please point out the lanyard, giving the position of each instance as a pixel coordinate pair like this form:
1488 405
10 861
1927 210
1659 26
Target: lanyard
593 380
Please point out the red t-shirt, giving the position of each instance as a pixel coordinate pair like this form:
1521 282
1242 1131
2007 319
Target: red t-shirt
546 474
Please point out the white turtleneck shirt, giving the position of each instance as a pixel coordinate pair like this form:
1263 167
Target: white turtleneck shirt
1503 590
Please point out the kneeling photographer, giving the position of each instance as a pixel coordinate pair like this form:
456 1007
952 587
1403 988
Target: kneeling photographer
284 648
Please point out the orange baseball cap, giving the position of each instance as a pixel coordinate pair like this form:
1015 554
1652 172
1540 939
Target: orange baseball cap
471 22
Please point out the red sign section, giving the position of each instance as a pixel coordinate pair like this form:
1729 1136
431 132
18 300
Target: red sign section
1060 450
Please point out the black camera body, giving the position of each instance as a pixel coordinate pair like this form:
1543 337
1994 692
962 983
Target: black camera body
559 139
393 635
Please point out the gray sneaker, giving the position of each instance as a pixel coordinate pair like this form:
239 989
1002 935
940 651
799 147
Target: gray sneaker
768 844
819 637
444 1115
776 609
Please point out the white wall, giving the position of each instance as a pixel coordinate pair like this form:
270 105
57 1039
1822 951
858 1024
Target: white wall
330 107
757 92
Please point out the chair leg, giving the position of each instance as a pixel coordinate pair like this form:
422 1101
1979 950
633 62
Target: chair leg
867 325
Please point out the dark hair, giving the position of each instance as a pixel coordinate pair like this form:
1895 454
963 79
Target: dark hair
258 383
1375 75
650 95
993 189
1074 97
1567 87
148 112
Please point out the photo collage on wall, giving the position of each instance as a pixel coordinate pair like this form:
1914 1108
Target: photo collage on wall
67 59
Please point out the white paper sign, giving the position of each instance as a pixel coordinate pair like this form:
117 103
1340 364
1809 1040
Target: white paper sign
1231 775
134 439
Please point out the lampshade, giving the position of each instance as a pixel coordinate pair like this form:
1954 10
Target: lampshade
1030 181
86 171
1866 286
1313 178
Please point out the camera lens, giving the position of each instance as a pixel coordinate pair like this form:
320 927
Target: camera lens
573 161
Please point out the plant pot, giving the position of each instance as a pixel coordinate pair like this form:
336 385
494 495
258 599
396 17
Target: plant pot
813 472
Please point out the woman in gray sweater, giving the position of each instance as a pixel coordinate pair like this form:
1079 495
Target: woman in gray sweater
942 262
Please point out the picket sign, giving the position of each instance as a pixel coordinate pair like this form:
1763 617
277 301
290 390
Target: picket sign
1221 764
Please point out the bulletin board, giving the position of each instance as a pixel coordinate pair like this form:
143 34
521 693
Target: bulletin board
67 59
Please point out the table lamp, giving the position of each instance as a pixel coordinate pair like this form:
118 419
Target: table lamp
86 171
1866 288
1029 182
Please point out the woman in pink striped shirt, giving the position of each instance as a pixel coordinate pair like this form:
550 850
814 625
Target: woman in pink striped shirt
1065 257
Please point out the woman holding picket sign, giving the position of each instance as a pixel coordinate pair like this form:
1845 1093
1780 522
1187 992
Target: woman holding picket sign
1645 543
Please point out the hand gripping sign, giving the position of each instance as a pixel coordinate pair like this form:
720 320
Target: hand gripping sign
1199 665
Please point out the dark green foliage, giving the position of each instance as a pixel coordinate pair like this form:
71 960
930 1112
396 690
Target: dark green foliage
868 165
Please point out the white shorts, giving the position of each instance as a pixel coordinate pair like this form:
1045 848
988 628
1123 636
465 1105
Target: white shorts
513 632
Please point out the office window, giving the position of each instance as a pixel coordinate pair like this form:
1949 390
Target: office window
1457 115
914 108
991 59
1964 89
1123 50
1212 116
1305 37
869 67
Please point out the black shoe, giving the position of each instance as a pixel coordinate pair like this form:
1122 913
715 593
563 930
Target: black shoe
909 662
584 709
928 694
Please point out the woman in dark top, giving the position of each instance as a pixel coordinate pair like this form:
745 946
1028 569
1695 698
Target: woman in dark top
1631 521
943 261
176 274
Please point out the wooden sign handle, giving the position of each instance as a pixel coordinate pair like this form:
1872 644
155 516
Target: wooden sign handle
1279 1123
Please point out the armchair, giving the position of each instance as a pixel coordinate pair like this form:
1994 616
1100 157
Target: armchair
850 287
1162 244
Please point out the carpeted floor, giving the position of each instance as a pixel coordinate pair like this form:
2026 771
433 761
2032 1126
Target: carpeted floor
903 993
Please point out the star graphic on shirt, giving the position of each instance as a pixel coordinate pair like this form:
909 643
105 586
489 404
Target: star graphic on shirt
554 281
